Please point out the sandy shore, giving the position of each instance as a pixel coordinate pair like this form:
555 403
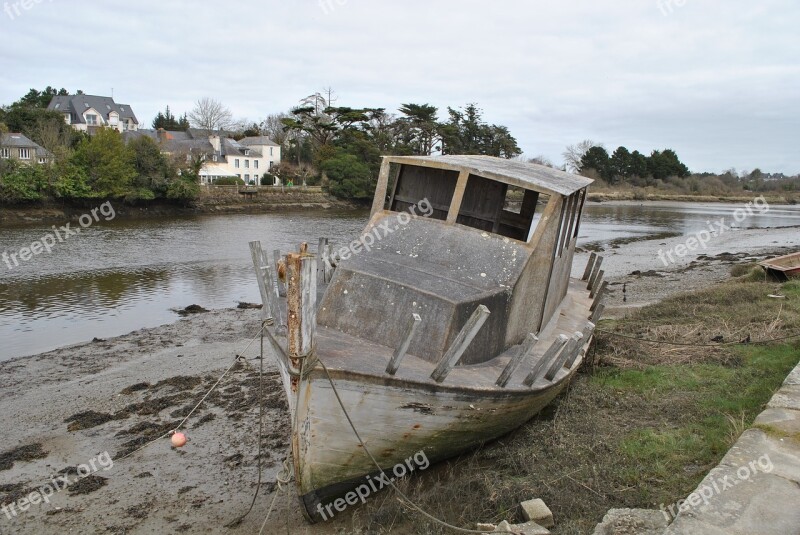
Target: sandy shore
64 408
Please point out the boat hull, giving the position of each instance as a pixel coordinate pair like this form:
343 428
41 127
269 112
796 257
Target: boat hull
397 421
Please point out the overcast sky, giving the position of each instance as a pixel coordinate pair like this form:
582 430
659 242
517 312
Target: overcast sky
716 80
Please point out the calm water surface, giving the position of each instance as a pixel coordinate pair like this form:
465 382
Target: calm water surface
119 276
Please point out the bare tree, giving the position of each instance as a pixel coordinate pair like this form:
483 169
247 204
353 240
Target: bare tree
273 127
574 153
541 160
210 115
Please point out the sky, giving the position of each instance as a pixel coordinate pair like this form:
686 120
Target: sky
718 81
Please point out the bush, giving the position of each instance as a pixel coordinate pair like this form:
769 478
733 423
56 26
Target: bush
349 178
229 181
268 180
23 184
183 189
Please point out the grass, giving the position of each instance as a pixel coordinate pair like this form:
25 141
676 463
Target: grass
638 428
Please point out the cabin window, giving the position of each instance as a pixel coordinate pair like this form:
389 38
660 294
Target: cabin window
522 210
416 183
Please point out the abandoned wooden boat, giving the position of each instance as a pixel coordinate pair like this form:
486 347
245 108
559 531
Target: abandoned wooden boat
450 322
783 267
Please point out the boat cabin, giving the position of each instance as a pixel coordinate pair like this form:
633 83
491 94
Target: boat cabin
450 233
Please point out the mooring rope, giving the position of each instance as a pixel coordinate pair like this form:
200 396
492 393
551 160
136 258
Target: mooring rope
237 359
386 477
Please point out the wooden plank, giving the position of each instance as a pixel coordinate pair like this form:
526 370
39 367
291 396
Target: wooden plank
401 350
595 271
301 276
276 256
598 312
524 352
594 284
458 196
545 359
380 191
266 284
598 295
461 343
587 334
573 346
327 269
589 267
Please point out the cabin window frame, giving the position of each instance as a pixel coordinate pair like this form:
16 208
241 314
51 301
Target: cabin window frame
384 200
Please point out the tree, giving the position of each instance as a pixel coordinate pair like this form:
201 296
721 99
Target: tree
541 160
167 121
638 164
421 127
574 154
663 164
40 99
467 133
272 127
597 158
107 162
621 165
153 172
348 177
210 115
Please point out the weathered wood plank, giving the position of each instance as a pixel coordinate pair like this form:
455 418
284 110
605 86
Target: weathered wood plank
519 358
598 313
458 197
589 267
596 283
462 341
401 350
598 295
573 346
264 277
276 256
380 190
587 334
595 272
545 360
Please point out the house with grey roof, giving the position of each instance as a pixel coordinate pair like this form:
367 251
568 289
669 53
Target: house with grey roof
249 158
87 113
18 147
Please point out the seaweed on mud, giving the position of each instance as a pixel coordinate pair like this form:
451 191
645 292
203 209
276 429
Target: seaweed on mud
30 452
138 387
87 420
87 485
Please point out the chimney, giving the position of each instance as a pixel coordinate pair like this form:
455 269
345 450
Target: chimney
216 143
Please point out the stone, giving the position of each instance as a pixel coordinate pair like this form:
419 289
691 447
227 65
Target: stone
788 397
537 511
485 527
528 528
632 522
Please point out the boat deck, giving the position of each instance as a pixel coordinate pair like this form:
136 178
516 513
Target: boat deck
342 352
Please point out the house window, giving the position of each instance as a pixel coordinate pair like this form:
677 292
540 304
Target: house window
42 160
24 154
5 153
58 105
255 164
270 151
247 152
247 164
91 119
236 163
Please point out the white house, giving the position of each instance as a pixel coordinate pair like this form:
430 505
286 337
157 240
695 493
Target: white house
248 159
89 112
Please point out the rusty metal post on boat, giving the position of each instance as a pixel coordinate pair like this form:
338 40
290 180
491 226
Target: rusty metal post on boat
401 350
461 343
524 352
589 266
545 359
301 295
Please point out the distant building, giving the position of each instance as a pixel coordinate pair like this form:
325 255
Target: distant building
248 159
87 113
18 147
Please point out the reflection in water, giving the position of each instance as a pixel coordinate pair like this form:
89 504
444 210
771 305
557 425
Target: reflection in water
124 275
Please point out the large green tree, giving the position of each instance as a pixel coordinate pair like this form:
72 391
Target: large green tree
108 163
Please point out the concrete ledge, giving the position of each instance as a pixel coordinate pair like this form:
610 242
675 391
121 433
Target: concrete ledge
756 486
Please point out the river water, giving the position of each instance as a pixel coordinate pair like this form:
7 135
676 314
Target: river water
119 276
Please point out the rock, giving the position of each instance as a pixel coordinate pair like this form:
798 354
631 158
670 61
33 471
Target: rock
632 522
537 511
192 309
528 528
485 527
